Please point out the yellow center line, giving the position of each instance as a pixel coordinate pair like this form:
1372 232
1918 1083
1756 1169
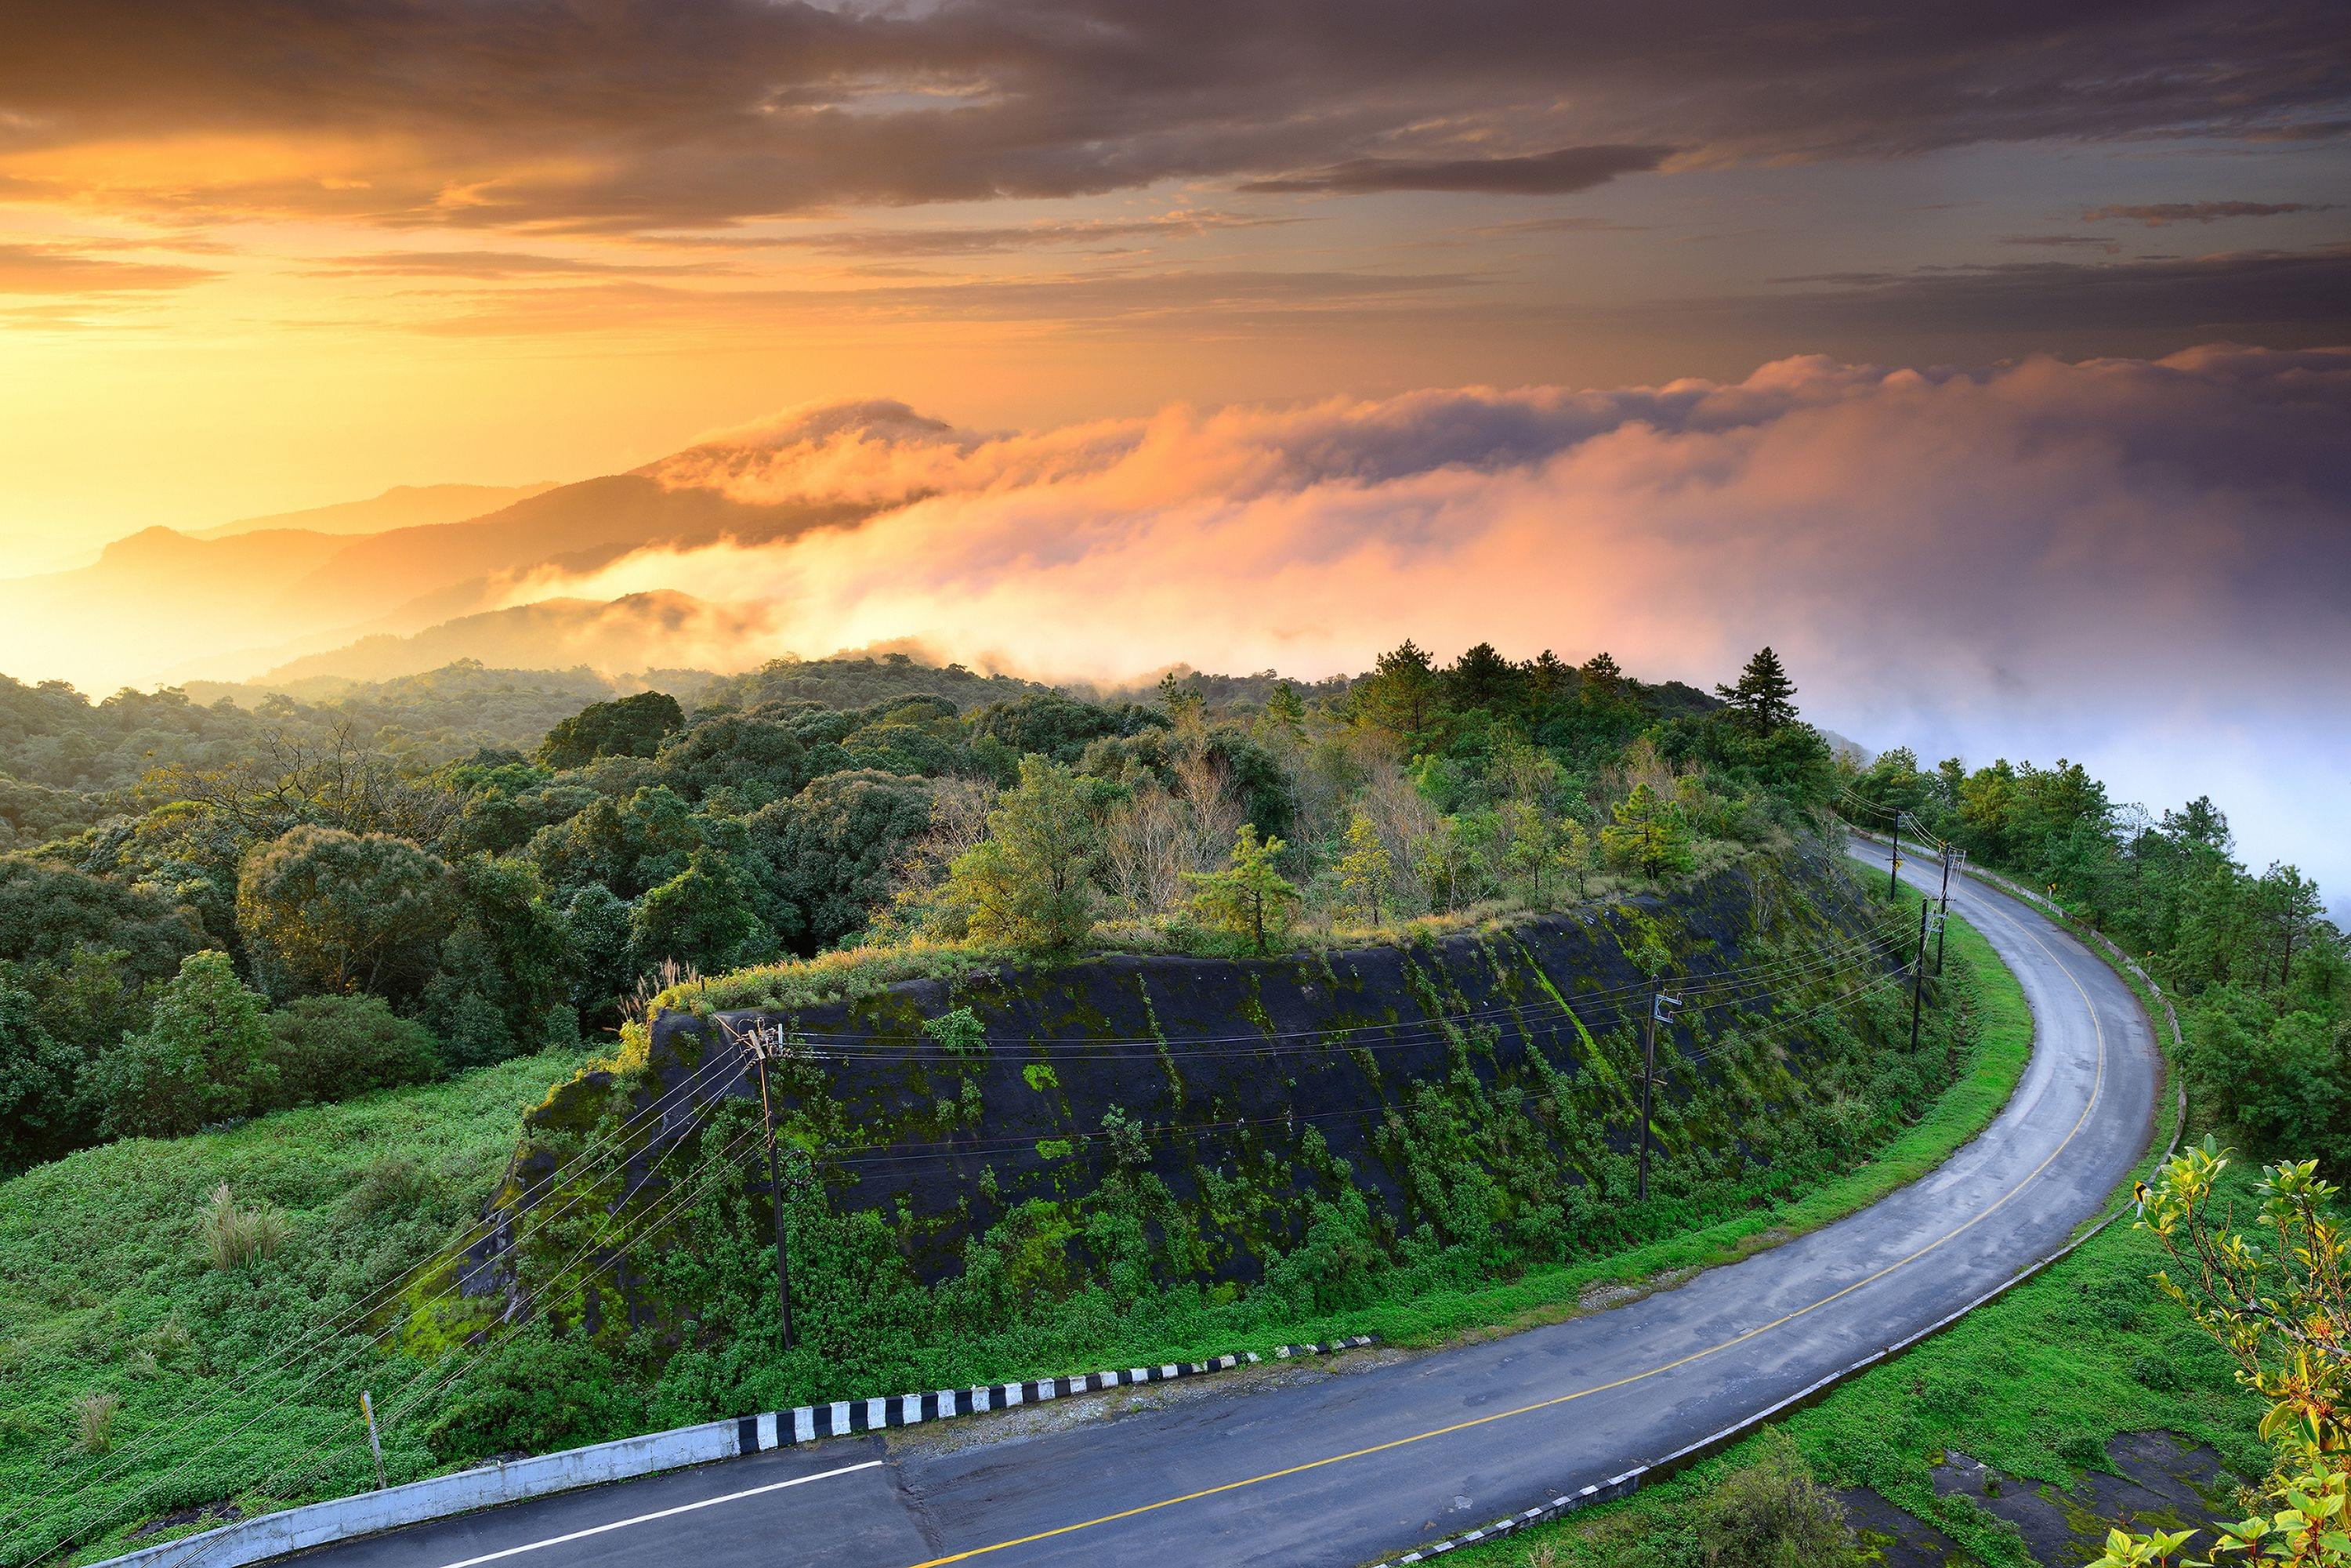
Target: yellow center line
2097 1087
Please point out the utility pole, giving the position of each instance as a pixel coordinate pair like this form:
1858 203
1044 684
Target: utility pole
375 1443
1919 970
1943 916
1894 864
1660 1011
757 1044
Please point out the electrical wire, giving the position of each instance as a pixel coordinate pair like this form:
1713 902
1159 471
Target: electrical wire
635 1229
344 1359
314 1341
1747 978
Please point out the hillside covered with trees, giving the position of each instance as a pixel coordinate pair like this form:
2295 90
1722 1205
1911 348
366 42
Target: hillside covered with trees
2264 975
214 910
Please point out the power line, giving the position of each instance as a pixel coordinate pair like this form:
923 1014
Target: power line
353 1316
632 1229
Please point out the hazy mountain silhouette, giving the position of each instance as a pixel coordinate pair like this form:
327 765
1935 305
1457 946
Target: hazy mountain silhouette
401 506
163 603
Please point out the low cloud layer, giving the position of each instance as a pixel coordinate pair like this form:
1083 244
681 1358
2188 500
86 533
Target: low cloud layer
2140 564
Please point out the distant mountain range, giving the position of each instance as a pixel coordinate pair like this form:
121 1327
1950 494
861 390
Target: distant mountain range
404 581
401 506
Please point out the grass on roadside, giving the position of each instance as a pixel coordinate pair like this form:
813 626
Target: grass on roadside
2002 1047
132 1315
2032 1385
151 1315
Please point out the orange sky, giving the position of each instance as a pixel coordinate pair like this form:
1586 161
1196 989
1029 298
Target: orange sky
249 263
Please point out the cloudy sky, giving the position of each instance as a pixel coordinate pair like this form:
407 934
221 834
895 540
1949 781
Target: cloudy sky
1889 332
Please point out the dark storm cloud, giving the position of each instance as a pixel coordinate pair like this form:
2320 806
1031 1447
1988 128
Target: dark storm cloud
629 114
1556 173
2156 215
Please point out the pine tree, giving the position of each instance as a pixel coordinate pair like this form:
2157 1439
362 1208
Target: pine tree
1030 882
1648 831
1764 696
1402 692
1250 893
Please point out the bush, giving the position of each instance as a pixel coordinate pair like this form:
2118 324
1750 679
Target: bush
2154 1372
203 1058
239 1237
333 1048
94 1417
1774 1514
2083 1450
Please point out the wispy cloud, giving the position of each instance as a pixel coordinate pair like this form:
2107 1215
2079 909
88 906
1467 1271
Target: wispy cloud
2063 242
1555 173
495 263
70 269
1069 234
2156 215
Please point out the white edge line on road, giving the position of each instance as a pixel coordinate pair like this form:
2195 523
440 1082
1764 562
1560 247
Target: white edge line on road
662 1513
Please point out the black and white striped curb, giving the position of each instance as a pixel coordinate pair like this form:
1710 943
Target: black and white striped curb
810 1423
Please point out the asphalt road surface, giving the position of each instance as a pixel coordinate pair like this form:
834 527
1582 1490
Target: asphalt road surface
1345 1467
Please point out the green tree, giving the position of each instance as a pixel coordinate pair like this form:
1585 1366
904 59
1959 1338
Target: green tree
1402 694
1285 710
1030 882
333 1048
1533 841
1249 894
2281 1307
598 920
46 912
701 916
503 977
204 1056
1765 698
36 1081
740 761
1573 854
627 726
1366 870
825 857
1648 832
325 910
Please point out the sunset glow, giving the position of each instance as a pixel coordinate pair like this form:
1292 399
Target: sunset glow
256 261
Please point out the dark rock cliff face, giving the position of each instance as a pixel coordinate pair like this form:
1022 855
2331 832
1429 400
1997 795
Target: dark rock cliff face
1482 1081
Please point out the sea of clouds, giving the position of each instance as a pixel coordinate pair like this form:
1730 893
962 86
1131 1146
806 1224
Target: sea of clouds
2142 565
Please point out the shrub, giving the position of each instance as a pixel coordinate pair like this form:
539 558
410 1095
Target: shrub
2081 1450
1774 1514
239 1237
333 1048
94 1417
2154 1372
391 1187
203 1058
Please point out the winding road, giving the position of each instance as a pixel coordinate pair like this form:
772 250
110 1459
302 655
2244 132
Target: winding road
1349 1465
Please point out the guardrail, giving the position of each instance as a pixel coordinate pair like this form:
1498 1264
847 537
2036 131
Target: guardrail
271 1535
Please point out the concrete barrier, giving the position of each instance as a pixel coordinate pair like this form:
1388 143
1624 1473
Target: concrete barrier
270 1535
